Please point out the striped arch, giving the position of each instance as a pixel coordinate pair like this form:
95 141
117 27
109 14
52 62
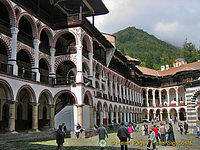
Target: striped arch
49 94
32 22
6 41
58 34
49 33
30 90
11 12
9 91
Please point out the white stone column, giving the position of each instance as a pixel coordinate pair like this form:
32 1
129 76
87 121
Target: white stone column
111 89
133 97
127 94
124 92
120 91
168 100
112 117
116 119
35 68
13 59
154 100
91 64
101 117
161 118
116 92
124 116
80 113
160 97
79 75
11 122
147 98
177 97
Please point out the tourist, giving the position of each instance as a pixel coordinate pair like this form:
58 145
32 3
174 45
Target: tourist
170 132
181 128
162 132
102 133
143 129
156 132
155 121
137 127
123 134
186 127
60 138
130 129
146 128
197 130
133 126
152 121
152 139
78 130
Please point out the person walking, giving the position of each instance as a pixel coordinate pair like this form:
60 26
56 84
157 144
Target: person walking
156 132
60 138
138 127
102 133
197 130
152 139
186 127
181 128
78 130
123 134
130 129
162 133
170 132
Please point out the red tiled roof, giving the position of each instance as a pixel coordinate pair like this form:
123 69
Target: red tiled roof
131 59
170 71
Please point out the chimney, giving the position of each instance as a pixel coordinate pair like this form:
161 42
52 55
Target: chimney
162 68
167 67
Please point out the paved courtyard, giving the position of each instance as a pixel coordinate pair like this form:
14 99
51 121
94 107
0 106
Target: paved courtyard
139 142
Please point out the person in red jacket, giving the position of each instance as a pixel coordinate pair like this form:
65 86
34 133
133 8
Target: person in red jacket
156 132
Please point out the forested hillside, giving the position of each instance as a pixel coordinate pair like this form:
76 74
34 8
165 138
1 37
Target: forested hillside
151 51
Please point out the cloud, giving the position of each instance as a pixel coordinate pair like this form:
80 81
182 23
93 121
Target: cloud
170 20
166 27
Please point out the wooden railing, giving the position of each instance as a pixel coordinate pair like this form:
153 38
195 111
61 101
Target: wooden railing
26 73
6 68
65 80
46 79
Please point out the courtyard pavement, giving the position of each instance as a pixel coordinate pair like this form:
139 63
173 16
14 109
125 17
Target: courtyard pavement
185 142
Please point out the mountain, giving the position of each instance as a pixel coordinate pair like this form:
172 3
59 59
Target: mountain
151 51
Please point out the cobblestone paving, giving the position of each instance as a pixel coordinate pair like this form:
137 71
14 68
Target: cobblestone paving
137 143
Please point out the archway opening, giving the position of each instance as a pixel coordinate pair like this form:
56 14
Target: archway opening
24 110
66 73
165 114
182 114
64 110
4 20
44 71
65 44
173 114
158 114
25 34
44 111
44 42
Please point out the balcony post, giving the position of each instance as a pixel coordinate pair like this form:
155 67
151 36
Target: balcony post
36 44
13 59
79 75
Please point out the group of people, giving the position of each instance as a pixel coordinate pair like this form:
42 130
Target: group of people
62 132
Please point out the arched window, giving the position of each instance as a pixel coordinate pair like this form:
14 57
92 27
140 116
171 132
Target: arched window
44 114
5 113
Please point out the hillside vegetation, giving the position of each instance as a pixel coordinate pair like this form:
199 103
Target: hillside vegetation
151 51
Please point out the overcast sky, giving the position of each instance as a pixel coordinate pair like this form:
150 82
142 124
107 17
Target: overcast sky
169 20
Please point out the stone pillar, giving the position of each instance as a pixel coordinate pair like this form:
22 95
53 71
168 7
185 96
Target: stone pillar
161 117
35 116
80 114
116 92
91 64
127 94
147 97
176 97
101 117
52 115
124 92
160 97
120 91
168 100
147 115
52 72
111 89
11 122
95 117
154 100
128 117
13 59
79 75
35 69
117 117
112 116
124 116
91 117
